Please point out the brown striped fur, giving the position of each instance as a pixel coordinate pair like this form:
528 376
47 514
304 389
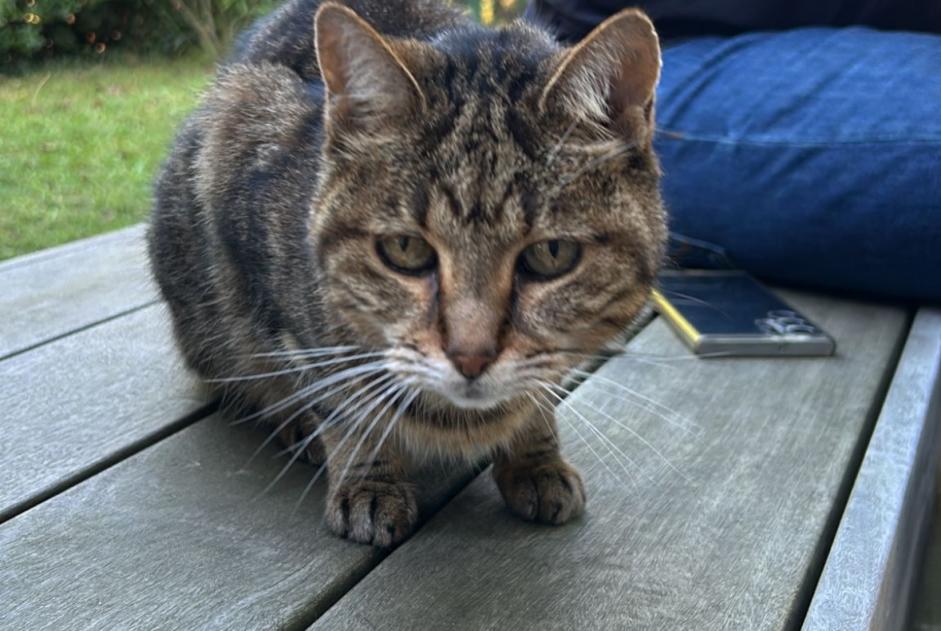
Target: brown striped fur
406 118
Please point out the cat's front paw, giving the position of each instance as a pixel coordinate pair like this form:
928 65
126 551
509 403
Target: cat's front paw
378 513
551 492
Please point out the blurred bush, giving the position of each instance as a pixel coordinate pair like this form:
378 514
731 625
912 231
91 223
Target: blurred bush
37 28
41 28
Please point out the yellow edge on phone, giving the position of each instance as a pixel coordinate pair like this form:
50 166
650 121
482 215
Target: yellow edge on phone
681 324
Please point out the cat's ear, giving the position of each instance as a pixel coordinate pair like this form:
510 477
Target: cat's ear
609 78
365 77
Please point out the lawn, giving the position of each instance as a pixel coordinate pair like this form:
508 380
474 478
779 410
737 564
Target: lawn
81 142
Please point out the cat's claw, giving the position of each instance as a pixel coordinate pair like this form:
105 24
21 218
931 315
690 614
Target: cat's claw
378 513
550 493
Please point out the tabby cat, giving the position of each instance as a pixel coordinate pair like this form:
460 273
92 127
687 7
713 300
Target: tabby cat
391 232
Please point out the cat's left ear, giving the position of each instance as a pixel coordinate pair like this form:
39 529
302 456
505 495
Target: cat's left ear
366 78
610 77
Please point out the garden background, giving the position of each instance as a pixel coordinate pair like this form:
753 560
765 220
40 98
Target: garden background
91 92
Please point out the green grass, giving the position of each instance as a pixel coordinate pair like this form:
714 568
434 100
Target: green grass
81 142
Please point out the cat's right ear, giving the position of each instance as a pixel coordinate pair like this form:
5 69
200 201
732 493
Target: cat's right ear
609 78
367 81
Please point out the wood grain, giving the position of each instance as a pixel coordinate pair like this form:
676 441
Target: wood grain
75 405
58 291
181 536
869 576
733 538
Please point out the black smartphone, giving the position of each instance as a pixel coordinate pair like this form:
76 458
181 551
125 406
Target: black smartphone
729 313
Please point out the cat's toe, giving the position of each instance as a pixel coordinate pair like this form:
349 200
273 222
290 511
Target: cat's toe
378 513
550 493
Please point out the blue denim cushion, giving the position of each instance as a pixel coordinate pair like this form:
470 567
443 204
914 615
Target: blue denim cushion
813 156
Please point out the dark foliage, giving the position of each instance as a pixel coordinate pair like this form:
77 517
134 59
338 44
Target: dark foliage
38 28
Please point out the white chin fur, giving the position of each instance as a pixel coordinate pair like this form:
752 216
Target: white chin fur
473 404
470 396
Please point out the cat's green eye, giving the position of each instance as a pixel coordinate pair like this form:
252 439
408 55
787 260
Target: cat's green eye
405 254
549 259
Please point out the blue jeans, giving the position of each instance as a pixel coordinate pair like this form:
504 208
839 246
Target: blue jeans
813 155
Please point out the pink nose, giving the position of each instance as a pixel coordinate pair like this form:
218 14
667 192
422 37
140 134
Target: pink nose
471 365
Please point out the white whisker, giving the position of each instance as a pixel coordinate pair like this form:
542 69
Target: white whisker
395 391
305 352
309 405
587 444
316 386
400 411
634 433
678 419
296 369
607 442
305 443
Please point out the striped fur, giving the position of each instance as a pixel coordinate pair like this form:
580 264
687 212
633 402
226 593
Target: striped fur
263 239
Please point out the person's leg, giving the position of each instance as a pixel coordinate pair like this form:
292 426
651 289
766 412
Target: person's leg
813 156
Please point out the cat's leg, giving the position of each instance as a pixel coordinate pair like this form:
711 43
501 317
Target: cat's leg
293 436
535 480
369 499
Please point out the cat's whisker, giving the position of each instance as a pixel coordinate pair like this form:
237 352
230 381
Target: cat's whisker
686 357
354 423
333 419
605 356
304 352
328 457
397 389
411 393
587 444
607 442
316 386
645 403
343 409
634 433
394 390
297 369
306 407
304 444
330 420
693 299
678 419
405 387
641 405
546 404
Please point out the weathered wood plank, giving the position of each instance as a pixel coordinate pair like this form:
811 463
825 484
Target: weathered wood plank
75 405
733 540
180 536
868 579
55 292
926 610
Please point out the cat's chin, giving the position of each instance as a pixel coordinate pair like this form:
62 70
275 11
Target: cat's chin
468 398
436 425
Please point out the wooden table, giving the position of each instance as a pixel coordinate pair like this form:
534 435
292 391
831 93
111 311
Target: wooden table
764 493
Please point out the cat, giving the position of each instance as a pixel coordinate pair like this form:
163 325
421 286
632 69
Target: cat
391 232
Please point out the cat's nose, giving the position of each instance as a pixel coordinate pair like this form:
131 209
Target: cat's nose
472 365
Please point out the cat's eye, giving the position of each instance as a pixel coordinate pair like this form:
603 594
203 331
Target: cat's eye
550 259
406 254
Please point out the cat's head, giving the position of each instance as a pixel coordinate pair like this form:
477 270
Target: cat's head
489 207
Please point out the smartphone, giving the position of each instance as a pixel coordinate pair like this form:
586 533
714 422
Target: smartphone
729 313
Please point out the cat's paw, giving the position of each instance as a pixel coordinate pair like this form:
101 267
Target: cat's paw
550 493
378 513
